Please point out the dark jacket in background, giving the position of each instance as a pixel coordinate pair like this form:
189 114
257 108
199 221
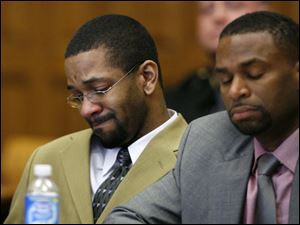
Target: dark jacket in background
198 95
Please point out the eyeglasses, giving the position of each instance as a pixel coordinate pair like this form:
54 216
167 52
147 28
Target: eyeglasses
95 96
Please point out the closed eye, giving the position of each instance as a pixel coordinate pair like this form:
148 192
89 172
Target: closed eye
254 75
101 90
77 94
223 78
226 80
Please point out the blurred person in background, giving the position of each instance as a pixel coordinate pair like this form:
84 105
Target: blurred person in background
114 77
198 94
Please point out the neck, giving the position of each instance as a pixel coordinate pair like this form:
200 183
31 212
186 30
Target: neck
157 113
157 117
273 138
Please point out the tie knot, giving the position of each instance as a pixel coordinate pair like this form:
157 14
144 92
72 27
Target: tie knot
267 165
123 157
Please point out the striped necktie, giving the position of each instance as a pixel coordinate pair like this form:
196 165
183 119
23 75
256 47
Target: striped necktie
107 188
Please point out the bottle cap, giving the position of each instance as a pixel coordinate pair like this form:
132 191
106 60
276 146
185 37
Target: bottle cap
43 170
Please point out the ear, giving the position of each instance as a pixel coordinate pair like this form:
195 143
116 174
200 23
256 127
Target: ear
149 75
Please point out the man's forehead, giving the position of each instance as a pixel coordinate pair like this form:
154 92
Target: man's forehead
249 36
86 61
249 42
242 48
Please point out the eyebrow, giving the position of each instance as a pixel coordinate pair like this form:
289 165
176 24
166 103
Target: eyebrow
92 80
247 63
250 62
89 81
70 87
220 70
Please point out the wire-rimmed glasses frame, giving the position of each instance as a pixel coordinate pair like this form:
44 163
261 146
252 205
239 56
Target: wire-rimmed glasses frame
95 96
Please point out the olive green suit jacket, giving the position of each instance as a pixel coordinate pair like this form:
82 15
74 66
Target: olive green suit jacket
69 157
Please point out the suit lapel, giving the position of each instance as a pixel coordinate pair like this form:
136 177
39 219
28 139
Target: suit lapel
294 203
157 159
228 182
75 161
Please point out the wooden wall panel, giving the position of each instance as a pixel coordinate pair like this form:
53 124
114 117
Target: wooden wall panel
33 40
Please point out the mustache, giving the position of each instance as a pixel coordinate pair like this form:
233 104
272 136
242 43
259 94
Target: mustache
98 119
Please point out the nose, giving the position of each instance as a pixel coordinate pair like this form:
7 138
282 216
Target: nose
88 108
239 88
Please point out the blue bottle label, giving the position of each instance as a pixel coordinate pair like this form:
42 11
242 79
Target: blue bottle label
41 209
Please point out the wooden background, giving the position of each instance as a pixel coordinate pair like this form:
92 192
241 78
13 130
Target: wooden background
33 40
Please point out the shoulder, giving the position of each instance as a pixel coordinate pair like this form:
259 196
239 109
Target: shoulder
69 138
216 125
61 143
214 135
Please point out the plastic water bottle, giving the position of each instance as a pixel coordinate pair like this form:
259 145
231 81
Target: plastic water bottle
42 198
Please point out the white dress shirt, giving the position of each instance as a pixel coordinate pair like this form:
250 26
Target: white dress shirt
103 160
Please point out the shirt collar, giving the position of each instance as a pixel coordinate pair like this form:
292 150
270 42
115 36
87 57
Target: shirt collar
287 152
136 148
109 156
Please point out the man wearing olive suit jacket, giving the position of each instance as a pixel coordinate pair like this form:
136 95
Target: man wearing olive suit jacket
69 157
239 166
114 77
